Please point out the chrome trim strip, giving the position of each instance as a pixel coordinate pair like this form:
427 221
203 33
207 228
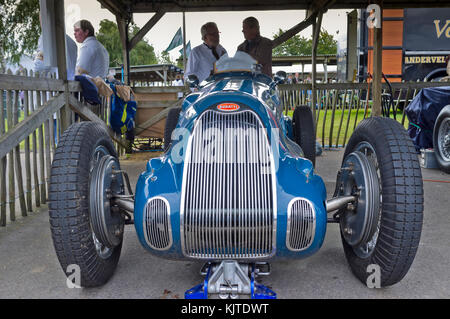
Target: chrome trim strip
162 238
301 224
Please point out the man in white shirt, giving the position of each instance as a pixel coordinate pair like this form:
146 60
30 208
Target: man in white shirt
178 82
93 59
202 58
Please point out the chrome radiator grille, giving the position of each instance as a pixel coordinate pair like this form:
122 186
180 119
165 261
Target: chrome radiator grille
228 207
157 228
301 225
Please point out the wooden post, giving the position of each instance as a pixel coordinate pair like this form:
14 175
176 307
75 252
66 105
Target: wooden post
11 185
42 190
37 193
48 160
60 35
316 33
2 165
123 32
122 24
184 42
18 160
26 110
377 65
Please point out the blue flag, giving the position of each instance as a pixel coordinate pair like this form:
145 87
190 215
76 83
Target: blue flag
188 49
176 41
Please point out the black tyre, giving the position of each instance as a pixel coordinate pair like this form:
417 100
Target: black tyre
441 139
171 123
304 132
79 149
394 243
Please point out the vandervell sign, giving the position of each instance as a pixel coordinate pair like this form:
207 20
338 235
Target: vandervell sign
427 30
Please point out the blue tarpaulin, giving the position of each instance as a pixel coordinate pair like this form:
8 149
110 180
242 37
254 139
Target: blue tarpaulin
122 114
422 113
89 89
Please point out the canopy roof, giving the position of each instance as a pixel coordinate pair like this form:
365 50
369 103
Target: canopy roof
151 73
121 7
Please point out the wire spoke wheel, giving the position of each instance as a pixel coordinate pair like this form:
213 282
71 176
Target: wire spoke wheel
441 139
367 248
444 139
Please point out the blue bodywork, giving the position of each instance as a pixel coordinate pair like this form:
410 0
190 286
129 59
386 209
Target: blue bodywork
294 174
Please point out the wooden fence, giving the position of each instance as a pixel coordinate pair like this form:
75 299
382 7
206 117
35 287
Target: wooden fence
30 116
341 106
32 107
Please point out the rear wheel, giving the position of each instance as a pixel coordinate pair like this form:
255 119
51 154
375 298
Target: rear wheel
441 139
80 150
171 123
303 127
392 235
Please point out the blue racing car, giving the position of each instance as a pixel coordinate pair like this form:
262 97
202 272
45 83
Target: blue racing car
236 188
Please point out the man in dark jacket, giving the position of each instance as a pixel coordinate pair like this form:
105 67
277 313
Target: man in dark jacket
260 48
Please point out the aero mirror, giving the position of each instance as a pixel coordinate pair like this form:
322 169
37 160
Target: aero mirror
192 81
280 77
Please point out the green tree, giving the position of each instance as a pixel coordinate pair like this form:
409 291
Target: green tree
299 45
108 34
164 58
19 28
327 44
180 62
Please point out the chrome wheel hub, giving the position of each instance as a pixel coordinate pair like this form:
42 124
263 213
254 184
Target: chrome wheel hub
444 139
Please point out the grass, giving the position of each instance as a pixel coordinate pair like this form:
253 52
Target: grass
339 137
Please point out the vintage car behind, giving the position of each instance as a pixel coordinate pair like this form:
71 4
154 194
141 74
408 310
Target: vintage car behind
236 188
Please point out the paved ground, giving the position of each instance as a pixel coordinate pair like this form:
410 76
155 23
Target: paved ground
29 267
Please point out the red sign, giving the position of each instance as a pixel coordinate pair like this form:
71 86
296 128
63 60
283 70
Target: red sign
228 107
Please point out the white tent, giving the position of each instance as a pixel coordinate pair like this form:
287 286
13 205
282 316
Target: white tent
26 62
308 68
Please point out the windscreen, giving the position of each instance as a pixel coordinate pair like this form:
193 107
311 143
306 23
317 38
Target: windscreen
240 62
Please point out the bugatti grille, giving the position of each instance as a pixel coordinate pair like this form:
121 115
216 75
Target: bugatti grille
228 207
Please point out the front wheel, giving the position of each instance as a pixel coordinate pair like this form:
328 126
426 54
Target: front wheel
81 148
391 237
